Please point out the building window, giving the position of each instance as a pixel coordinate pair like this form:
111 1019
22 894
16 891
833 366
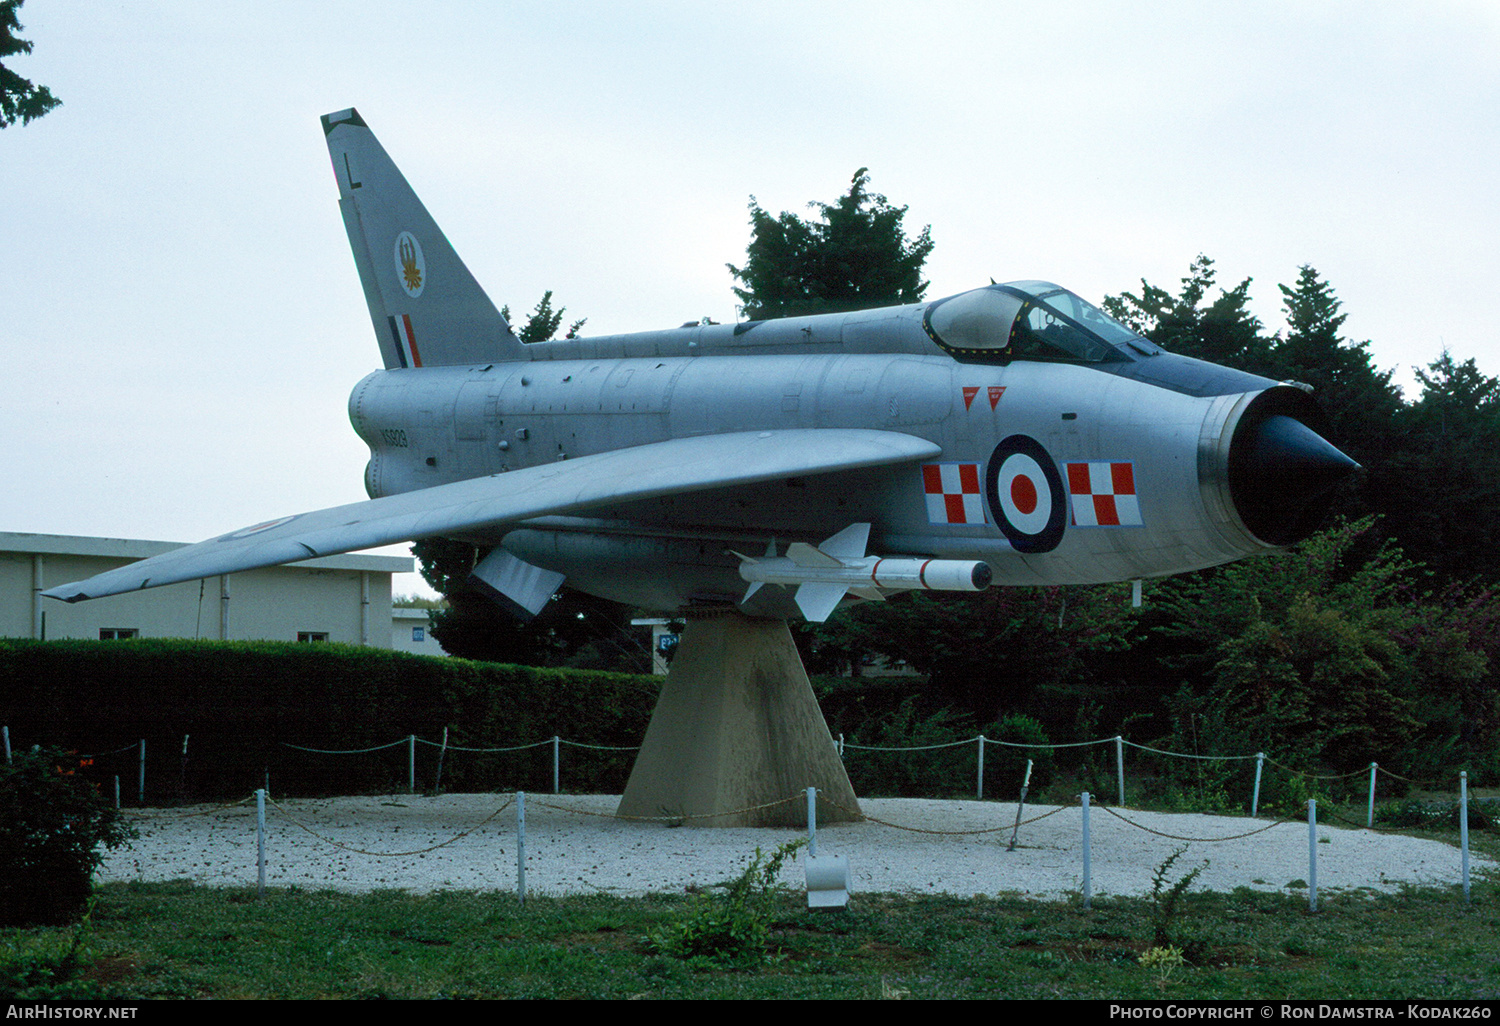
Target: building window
417 634
312 635
118 633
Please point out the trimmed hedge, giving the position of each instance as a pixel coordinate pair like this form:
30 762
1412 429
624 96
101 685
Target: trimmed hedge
241 703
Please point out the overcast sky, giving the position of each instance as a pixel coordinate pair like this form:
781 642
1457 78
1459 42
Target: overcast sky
181 318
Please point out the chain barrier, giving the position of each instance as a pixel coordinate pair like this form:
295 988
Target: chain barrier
388 854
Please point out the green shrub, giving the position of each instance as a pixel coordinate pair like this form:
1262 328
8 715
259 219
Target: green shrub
48 965
53 825
1005 766
732 928
916 753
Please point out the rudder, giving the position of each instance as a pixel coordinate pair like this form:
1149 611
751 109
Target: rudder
426 308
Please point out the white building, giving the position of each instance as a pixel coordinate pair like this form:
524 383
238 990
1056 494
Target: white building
411 631
337 598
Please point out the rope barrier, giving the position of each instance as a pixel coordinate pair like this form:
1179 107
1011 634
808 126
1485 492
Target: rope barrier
389 854
1121 743
684 817
916 748
1316 776
179 814
343 751
1204 840
461 748
1183 755
113 751
944 833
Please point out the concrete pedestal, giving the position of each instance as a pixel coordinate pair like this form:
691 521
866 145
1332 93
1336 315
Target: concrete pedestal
737 727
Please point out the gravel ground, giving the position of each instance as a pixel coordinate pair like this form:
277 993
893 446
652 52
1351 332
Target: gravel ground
574 845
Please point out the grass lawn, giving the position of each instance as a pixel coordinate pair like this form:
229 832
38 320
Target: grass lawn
175 940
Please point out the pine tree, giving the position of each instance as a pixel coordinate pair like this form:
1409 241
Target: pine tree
856 257
1223 332
19 99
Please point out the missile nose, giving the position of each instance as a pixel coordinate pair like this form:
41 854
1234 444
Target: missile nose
1282 474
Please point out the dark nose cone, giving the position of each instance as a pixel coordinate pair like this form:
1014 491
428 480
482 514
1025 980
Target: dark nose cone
1282 474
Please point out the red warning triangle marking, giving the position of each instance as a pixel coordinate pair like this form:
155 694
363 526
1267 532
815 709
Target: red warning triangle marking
970 391
996 391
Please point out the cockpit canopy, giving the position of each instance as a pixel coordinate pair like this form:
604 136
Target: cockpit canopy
1028 320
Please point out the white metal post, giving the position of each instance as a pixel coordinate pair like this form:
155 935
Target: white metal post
1463 827
812 821
411 763
556 789
1370 810
437 778
6 732
1025 783
260 843
1260 761
1120 766
1312 854
521 846
141 788
1088 884
979 791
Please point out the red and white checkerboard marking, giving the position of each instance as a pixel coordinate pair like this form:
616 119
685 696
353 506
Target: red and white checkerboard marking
1103 494
953 493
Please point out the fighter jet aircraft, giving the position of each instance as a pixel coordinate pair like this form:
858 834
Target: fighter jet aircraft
1013 434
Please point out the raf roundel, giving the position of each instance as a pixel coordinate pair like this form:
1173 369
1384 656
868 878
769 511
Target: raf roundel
1025 494
411 266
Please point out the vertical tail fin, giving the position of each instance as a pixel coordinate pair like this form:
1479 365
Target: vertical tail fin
426 308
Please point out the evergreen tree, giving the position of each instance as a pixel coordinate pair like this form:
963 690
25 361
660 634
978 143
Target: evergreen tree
1361 402
19 99
543 321
856 257
1438 479
1223 332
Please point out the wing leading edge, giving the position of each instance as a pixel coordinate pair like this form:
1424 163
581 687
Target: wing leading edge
671 467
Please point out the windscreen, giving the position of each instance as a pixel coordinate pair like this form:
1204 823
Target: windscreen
1027 321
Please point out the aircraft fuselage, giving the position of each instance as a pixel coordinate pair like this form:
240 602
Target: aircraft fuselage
1141 451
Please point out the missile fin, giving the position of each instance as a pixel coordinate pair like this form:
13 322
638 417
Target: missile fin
848 544
817 601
